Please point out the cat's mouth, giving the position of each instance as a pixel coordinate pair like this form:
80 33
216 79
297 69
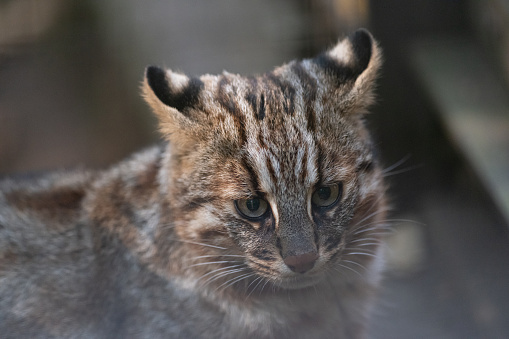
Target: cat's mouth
299 281
287 278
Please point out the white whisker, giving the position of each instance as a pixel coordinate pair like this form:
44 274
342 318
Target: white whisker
223 274
217 255
403 170
355 263
232 281
369 244
260 279
363 239
405 220
370 216
384 227
213 262
397 164
351 269
200 243
263 286
219 269
361 253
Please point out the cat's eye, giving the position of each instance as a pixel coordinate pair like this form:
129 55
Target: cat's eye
252 208
327 196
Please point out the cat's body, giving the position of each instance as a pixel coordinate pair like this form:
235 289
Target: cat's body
260 218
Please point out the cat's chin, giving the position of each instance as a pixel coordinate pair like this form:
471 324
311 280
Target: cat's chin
299 282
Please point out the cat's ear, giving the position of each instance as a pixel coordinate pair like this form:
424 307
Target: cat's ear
352 67
172 97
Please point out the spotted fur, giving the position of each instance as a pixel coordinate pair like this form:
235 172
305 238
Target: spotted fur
157 246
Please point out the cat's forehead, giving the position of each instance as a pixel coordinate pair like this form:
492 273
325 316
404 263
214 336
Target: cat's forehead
280 103
279 120
271 95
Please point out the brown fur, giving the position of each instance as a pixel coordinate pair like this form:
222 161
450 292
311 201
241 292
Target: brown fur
156 246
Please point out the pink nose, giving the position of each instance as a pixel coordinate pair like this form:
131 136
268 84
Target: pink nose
301 263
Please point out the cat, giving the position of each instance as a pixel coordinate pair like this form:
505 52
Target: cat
260 215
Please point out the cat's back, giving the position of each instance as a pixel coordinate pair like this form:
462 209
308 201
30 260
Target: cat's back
56 278
53 213
44 248
40 215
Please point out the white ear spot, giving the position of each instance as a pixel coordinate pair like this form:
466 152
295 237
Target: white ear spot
343 53
178 81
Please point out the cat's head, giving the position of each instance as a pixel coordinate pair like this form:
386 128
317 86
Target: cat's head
276 172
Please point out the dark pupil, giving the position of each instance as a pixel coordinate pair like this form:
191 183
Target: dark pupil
253 204
324 193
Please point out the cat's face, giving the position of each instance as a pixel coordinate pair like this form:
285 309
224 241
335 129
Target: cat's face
274 175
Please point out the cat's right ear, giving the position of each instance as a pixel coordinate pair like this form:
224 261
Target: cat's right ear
351 68
172 97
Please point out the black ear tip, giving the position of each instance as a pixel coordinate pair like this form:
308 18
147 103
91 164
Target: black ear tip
156 79
154 75
361 37
361 32
152 69
362 44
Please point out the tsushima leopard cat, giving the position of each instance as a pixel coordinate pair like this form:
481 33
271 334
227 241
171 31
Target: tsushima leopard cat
261 215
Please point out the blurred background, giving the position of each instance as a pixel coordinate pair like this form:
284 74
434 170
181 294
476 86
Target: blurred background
70 73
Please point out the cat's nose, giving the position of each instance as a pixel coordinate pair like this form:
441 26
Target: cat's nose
301 263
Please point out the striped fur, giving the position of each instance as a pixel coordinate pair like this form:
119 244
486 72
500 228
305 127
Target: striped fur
157 246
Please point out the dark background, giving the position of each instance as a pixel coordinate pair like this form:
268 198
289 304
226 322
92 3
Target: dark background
70 73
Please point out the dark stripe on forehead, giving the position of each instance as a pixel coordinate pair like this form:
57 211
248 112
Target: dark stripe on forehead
309 89
251 99
303 173
261 110
181 99
287 93
252 174
251 96
261 140
289 103
272 172
229 103
225 98
318 161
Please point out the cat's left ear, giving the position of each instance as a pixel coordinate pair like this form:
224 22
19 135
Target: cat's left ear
352 67
173 97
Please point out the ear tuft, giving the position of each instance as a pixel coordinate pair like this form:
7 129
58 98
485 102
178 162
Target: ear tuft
172 97
173 89
350 69
350 58
156 79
